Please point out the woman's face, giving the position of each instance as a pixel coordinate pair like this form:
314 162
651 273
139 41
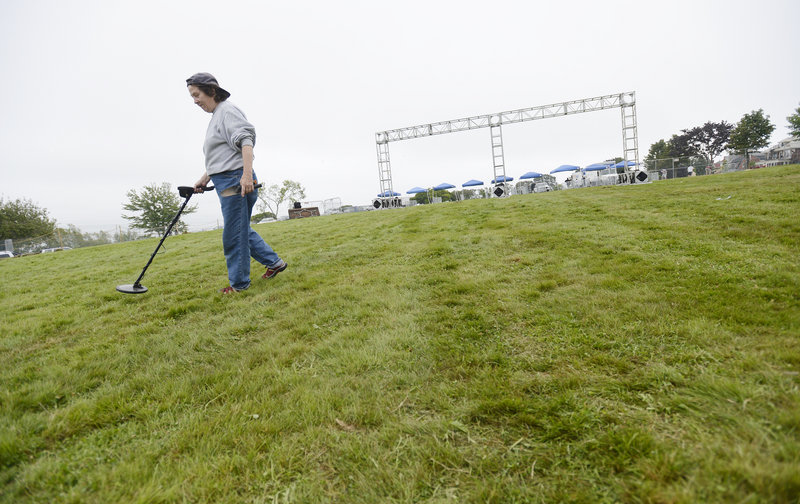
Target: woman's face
202 100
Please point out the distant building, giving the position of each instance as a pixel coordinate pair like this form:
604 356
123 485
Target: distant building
787 151
736 162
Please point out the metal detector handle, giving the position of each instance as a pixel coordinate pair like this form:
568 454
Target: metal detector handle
211 188
187 191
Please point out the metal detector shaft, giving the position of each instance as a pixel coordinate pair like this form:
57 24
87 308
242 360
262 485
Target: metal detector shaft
136 284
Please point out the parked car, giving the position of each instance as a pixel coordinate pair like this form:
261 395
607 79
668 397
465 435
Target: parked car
5 253
55 249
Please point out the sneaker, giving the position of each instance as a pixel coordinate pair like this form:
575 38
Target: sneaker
229 290
275 269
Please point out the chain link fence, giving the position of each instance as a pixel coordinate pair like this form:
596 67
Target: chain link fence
684 166
688 166
66 239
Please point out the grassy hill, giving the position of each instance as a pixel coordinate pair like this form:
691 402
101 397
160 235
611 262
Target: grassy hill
633 344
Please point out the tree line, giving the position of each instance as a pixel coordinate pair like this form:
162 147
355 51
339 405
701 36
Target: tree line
150 210
32 229
711 139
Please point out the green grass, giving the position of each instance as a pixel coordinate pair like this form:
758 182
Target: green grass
615 344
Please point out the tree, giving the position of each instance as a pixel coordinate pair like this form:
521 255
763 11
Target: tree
708 140
751 133
423 198
276 195
466 194
157 206
794 123
659 150
680 146
665 151
22 218
125 235
256 218
73 237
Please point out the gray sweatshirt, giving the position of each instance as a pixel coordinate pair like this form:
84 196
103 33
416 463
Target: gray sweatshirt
227 132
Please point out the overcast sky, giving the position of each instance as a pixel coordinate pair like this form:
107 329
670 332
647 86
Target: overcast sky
94 101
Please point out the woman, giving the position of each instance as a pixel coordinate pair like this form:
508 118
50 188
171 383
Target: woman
229 165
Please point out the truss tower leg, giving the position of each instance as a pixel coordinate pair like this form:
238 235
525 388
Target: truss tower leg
384 169
498 160
630 136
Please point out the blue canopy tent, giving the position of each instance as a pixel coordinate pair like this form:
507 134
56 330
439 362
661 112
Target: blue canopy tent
543 182
417 190
441 187
622 164
472 183
566 168
595 167
502 179
387 194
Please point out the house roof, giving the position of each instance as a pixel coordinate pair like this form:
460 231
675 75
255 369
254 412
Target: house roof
786 143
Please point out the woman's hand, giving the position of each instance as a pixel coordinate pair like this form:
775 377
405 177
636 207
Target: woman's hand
200 185
247 183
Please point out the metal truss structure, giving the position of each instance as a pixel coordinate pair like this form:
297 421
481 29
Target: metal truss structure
625 101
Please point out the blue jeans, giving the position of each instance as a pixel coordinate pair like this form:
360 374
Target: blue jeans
239 241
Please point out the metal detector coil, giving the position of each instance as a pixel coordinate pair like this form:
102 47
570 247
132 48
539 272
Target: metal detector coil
132 288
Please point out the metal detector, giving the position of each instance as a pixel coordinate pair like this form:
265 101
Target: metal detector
186 193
